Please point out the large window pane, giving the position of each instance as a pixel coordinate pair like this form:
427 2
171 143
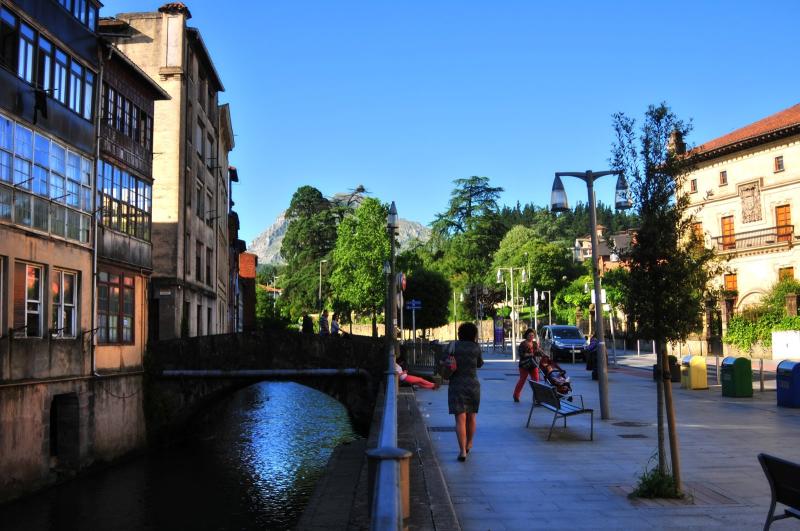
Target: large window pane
58 222
60 76
5 166
75 86
6 134
8 39
5 203
88 95
25 59
40 178
41 154
23 146
44 64
58 157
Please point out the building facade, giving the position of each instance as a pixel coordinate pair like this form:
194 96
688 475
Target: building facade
745 195
191 193
58 413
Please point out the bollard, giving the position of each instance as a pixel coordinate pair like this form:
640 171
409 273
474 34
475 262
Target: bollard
716 368
375 457
761 374
638 349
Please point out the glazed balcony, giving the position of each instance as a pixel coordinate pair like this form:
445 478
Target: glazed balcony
770 236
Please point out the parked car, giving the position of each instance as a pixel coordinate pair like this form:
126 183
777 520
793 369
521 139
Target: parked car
562 341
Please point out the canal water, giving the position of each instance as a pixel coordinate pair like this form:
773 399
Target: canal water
250 463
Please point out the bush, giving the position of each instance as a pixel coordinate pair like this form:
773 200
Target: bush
654 484
756 323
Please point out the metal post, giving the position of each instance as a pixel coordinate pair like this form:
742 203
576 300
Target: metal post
602 373
638 349
513 320
761 374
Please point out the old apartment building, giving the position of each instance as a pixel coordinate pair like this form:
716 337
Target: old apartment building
190 292
69 395
744 192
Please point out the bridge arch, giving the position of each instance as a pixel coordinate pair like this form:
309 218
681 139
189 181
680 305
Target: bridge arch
184 377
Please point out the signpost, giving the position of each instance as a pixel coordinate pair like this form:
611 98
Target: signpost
414 305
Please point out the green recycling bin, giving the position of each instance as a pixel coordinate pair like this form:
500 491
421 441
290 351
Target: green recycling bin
737 377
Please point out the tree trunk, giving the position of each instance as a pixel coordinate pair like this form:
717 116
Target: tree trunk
675 456
662 454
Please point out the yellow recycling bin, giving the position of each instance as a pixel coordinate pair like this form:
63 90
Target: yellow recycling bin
694 373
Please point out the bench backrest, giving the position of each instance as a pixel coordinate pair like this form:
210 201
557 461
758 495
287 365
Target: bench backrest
545 394
784 479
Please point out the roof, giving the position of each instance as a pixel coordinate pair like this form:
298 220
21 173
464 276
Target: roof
778 125
157 92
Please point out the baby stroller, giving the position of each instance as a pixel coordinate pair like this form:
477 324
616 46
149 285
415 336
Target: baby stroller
555 375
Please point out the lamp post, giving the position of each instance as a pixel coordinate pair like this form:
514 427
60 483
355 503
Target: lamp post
319 296
558 203
549 305
514 325
391 299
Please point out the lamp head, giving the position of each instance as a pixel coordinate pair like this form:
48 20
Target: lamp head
391 219
499 277
622 197
558 196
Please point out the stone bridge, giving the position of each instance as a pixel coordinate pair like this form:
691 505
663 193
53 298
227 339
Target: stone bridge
185 376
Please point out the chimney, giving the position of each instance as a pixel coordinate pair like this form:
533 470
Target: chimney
676 144
175 8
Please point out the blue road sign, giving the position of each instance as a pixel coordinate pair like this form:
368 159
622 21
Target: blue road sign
414 304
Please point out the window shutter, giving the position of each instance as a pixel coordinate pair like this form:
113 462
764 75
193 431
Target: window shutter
19 295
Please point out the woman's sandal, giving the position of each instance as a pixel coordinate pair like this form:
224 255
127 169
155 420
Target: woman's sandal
462 458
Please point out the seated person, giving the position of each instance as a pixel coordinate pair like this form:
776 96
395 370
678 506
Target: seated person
410 378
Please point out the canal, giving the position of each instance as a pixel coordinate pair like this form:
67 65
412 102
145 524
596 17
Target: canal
250 463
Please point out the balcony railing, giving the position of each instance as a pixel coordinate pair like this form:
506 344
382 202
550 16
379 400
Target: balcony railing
778 235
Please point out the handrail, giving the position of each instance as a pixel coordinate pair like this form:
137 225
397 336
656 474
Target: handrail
390 487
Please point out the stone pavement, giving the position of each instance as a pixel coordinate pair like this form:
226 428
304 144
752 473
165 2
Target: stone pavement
515 479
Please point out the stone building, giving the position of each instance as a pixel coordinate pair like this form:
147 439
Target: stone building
191 193
58 414
744 195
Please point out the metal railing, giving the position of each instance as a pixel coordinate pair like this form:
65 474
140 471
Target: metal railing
421 354
389 464
776 235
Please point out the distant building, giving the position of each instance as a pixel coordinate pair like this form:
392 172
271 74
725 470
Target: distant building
744 195
248 265
191 193
607 257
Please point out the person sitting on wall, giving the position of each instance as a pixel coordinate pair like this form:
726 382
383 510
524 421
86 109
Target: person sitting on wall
400 367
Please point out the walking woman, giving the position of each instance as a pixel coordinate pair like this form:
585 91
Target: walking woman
464 391
527 351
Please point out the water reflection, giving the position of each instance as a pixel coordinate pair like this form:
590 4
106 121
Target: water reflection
251 463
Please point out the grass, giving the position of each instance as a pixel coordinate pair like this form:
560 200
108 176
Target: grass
653 484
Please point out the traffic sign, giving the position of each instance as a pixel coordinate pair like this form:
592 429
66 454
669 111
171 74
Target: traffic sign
414 304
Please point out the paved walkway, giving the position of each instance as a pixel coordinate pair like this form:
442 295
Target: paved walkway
515 479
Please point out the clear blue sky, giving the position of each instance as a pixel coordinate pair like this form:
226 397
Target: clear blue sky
404 97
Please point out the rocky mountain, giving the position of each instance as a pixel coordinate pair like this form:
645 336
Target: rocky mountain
267 245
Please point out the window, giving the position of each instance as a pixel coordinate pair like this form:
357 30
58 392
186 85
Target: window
75 86
210 202
200 209
211 157
63 296
88 94
199 139
199 318
783 220
779 163
730 282
27 300
786 273
693 186
60 77
198 262
723 178
8 39
126 201
27 38
209 262
44 64
109 99
728 236
115 307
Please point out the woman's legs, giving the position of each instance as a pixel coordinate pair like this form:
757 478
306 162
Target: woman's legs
461 433
523 377
416 380
471 424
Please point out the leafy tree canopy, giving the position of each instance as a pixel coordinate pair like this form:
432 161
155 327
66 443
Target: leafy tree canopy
433 290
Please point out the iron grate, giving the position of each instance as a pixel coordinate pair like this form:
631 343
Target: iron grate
631 424
632 436
442 428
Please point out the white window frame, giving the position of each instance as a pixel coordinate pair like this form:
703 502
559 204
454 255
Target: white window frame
27 301
59 324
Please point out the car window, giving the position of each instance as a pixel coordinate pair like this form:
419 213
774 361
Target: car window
568 333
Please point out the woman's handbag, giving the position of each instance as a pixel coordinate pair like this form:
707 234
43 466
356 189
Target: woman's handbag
526 363
447 365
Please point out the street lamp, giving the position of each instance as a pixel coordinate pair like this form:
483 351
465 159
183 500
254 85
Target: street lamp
319 296
391 310
558 203
514 330
549 305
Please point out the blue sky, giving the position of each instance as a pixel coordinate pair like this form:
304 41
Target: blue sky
404 97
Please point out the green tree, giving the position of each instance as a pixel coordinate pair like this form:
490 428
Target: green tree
310 236
433 290
669 268
362 246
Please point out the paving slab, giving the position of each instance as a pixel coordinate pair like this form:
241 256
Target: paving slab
515 479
